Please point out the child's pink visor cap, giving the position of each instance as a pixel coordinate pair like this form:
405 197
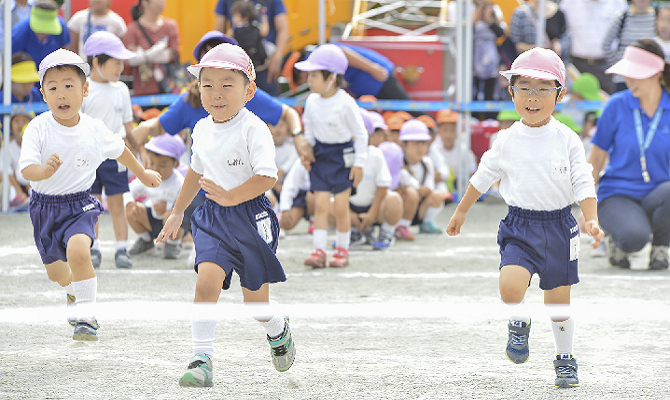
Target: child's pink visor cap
225 56
637 64
538 63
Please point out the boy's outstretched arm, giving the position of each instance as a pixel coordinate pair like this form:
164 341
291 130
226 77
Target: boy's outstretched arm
148 177
189 189
458 219
590 210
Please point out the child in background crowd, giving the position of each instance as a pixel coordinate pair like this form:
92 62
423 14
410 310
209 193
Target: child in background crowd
542 170
97 17
285 156
415 139
379 129
335 128
373 203
109 100
446 155
21 186
296 200
61 150
250 28
235 228
147 220
24 77
663 30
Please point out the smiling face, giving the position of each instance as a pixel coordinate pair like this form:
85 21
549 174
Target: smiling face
640 87
534 109
64 90
224 92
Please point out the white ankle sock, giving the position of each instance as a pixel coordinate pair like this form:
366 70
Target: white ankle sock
275 326
388 227
146 236
404 222
432 213
121 245
564 332
175 242
202 332
319 238
70 290
95 245
85 291
343 239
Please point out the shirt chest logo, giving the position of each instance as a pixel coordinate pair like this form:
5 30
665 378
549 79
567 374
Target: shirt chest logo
235 162
560 170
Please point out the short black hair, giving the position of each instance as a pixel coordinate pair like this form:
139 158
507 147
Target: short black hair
102 59
66 67
339 79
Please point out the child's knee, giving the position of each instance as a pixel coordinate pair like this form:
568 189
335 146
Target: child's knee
207 290
511 293
435 199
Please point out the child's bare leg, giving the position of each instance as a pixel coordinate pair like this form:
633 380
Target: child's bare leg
513 283
342 219
209 283
258 297
118 214
290 218
410 199
321 206
59 272
139 221
391 209
430 207
79 257
559 296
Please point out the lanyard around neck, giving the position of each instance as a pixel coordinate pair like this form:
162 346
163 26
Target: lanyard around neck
644 142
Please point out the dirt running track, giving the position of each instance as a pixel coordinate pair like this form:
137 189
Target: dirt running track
420 321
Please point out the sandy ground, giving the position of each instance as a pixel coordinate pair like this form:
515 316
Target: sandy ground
420 321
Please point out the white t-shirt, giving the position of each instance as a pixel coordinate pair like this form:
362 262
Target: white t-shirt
167 192
109 102
285 155
231 153
376 174
14 151
297 179
82 148
408 180
110 22
449 160
541 168
424 172
336 119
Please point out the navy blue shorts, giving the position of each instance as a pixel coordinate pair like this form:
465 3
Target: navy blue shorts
108 176
358 209
197 201
57 218
300 200
156 224
243 238
543 242
330 171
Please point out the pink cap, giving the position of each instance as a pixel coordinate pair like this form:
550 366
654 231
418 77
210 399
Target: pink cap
61 57
538 63
103 42
166 145
414 131
377 121
225 56
637 64
327 57
394 159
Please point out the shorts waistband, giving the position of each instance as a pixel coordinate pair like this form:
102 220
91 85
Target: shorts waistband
540 215
59 198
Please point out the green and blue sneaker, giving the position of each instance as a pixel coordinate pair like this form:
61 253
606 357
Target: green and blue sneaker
199 373
282 349
86 330
517 341
566 371
430 228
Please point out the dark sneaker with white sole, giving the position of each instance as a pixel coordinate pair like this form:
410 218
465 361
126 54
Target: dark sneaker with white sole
566 372
517 342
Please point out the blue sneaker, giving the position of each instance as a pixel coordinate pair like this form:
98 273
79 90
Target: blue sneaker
566 371
430 228
517 342
386 240
86 331
199 373
96 258
282 349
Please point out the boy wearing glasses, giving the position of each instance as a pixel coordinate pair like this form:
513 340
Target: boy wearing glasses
542 171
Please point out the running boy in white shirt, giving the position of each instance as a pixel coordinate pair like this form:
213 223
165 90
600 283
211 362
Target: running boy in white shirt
415 140
61 150
542 170
334 127
147 220
235 228
109 100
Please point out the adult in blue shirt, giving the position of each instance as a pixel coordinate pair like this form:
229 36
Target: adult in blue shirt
187 110
19 9
634 133
266 75
41 33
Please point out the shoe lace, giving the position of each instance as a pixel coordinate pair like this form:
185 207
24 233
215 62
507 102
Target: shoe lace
280 350
518 340
195 364
565 371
